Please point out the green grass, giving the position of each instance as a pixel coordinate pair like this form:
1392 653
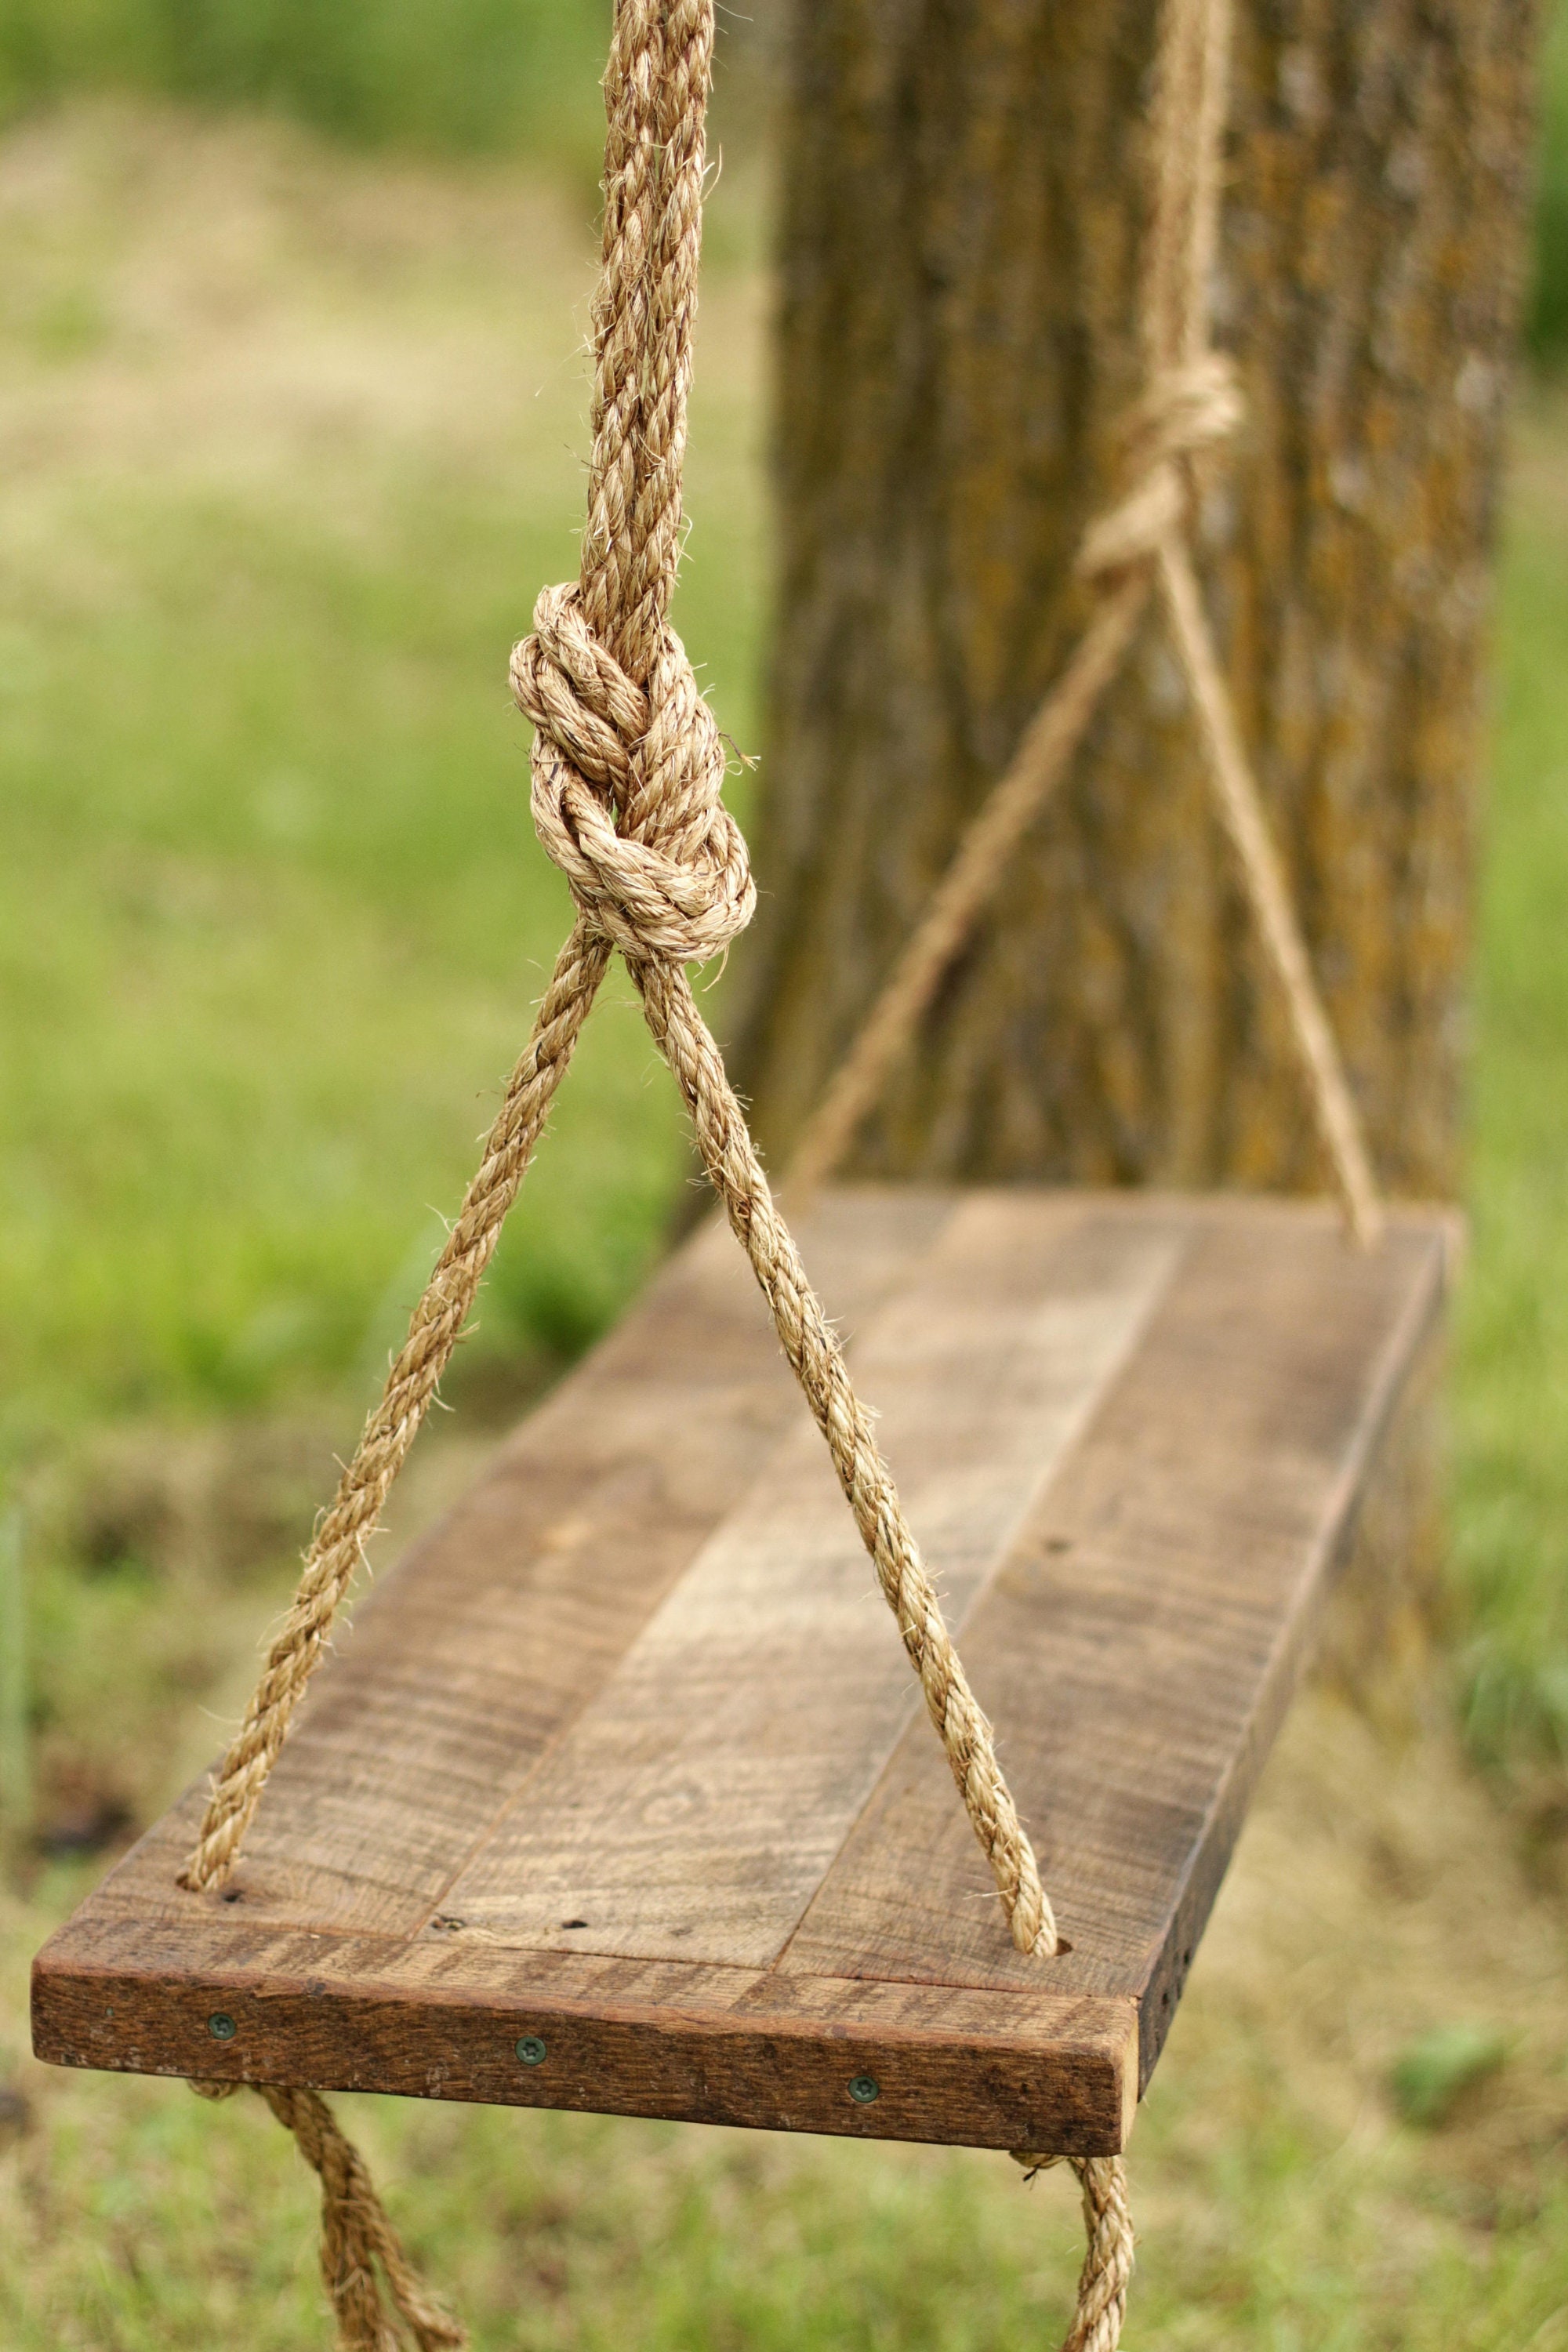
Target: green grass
1511 1389
465 77
293 925
474 77
133 2219
272 917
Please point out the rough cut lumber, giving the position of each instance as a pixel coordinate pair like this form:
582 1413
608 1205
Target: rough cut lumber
620 1796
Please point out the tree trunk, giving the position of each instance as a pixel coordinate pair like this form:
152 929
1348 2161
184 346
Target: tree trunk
964 193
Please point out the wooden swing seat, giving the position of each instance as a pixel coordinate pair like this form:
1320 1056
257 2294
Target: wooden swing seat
620 1797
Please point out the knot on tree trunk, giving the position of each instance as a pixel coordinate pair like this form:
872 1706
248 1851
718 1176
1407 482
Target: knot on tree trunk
1186 408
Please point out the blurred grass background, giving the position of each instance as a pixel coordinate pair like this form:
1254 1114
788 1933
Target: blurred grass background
291 416
468 77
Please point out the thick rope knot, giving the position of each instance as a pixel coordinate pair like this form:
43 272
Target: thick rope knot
1187 409
628 791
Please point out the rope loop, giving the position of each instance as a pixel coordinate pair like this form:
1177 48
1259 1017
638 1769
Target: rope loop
628 790
1188 408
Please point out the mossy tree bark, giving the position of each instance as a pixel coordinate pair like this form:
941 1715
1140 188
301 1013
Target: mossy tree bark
963 199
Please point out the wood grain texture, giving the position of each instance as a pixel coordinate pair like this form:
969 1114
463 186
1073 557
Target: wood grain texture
695 1804
1139 1649
640 1680
435 2019
465 1662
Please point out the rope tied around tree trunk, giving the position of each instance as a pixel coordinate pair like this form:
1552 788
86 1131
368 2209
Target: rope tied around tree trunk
1191 403
627 773
1188 408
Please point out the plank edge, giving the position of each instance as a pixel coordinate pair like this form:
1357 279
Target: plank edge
1418 1327
1067 2079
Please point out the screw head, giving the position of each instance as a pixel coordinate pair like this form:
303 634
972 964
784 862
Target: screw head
531 2049
864 2088
222 2028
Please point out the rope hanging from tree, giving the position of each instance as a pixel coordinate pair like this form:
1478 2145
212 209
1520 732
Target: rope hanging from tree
1190 404
627 770
627 776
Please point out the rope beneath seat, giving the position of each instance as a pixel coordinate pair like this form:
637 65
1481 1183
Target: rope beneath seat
361 2252
1191 402
1109 2246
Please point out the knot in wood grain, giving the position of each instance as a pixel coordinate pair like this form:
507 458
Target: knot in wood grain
628 790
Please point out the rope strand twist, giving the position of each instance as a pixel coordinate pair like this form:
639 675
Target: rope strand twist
1191 406
1108 2248
361 2251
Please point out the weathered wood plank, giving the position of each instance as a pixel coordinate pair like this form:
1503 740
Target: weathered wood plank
693 1806
1139 1649
695 2043
463 1663
642 1678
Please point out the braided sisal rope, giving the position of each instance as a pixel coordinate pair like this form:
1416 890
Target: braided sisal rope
359 2248
1107 2255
